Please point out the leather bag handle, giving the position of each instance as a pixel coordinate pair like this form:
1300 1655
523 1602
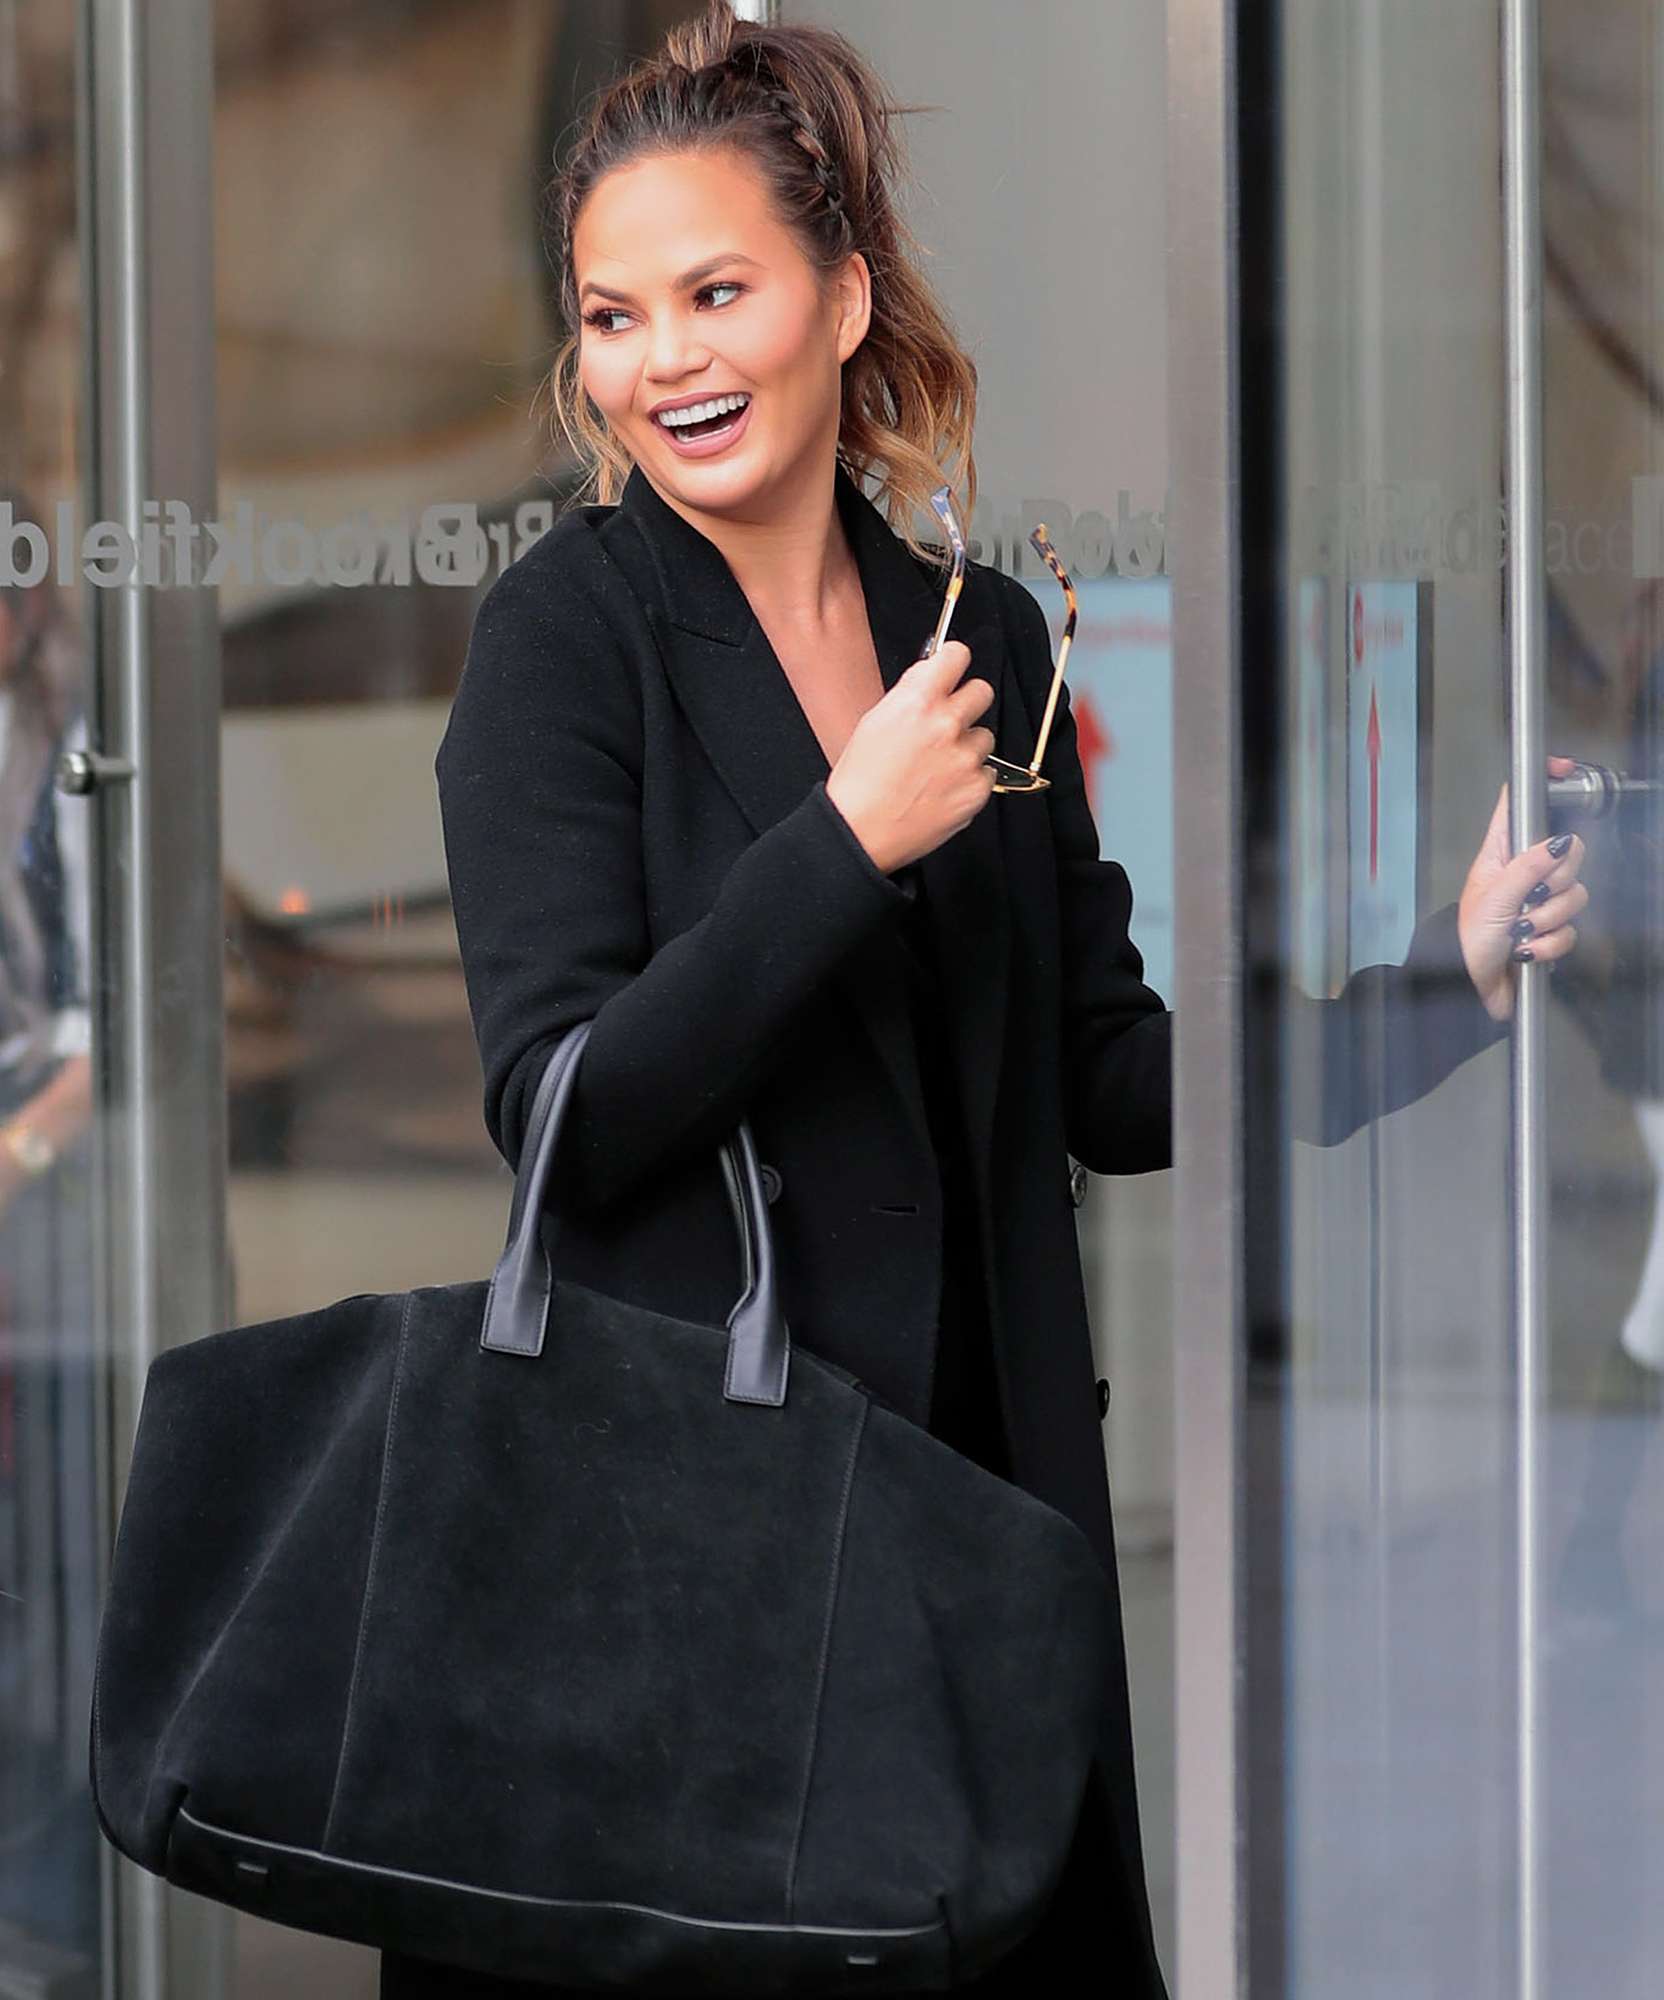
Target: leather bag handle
517 1300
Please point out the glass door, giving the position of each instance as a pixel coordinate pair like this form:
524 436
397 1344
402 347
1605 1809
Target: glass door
111 1103
51 1383
51 1892
1443 1304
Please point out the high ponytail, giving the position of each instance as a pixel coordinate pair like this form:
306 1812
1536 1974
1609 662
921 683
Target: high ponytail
812 116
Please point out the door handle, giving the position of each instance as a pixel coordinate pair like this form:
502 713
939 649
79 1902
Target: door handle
83 771
1594 791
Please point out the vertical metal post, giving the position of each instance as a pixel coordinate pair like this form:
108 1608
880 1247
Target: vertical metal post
146 103
1526 628
1208 1085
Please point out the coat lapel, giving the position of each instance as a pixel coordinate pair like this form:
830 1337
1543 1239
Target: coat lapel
747 718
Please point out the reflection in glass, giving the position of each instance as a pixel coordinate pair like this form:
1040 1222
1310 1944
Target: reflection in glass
48 1493
50 1856
1393 1482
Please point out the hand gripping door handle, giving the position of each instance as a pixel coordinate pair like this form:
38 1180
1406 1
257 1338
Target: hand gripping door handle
517 1300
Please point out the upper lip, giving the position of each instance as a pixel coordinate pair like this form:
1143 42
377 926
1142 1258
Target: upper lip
686 402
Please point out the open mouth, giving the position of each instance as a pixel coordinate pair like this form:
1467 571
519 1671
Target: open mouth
725 419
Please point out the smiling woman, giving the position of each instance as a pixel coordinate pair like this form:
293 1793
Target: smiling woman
744 892
727 224
754 359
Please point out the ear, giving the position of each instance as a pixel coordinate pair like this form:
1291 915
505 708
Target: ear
852 291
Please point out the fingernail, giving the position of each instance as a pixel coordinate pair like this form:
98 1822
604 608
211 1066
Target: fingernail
1538 895
1558 845
1524 928
1524 955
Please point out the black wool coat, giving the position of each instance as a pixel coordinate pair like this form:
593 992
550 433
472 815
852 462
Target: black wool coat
638 834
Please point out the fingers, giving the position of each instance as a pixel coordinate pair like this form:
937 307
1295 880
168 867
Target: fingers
969 701
1557 881
944 668
1518 907
1545 950
1545 914
938 674
1549 916
1557 862
1544 932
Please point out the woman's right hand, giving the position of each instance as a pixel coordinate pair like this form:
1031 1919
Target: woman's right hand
913 771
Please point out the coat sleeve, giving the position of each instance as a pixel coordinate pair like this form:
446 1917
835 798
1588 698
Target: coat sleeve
1117 1034
1388 1037
540 788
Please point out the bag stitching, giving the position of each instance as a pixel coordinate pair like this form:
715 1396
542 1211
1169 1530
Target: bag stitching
98 1664
370 1572
834 1586
227 1625
563 1902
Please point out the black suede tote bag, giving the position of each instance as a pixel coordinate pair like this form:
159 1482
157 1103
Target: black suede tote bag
528 1630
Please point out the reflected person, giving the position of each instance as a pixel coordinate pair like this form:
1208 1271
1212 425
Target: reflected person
49 1865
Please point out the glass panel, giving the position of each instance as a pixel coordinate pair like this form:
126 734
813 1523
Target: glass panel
1600 1498
1424 1745
384 320
1025 120
50 1525
1382 1417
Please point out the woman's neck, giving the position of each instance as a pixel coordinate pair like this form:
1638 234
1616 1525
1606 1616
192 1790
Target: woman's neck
796 569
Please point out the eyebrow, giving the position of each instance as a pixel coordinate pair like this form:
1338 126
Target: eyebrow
682 283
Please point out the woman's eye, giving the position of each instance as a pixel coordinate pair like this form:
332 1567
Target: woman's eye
601 314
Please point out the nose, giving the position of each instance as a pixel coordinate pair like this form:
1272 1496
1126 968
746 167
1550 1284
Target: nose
673 349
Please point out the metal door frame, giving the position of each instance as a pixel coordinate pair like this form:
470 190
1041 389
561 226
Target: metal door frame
145 110
1208 1238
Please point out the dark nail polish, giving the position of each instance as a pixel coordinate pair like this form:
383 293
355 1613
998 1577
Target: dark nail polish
1558 845
1540 894
1524 955
1524 928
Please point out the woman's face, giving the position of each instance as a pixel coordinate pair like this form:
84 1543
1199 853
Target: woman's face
690 288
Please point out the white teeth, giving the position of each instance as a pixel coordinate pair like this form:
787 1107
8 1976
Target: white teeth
697 412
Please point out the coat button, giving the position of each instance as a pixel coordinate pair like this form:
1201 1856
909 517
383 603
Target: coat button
771 1182
1077 1184
1103 1397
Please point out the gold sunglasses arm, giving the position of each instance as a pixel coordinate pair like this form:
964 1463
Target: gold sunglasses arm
1051 702
1042 542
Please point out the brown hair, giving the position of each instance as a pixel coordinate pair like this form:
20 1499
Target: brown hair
808 111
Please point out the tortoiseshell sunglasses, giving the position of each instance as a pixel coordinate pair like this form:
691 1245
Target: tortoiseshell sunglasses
1009 777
